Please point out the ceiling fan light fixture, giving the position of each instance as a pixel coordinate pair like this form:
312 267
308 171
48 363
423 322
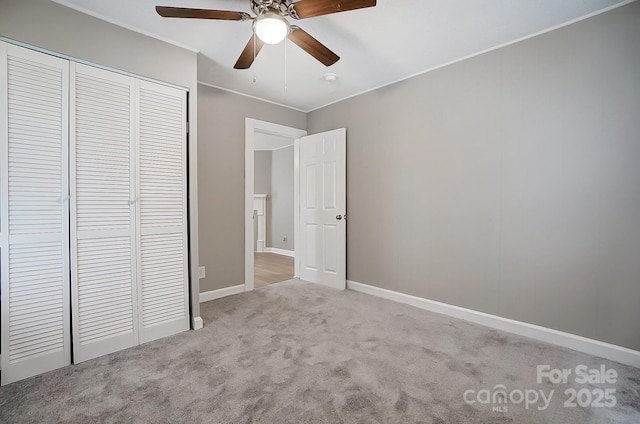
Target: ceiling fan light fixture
271 27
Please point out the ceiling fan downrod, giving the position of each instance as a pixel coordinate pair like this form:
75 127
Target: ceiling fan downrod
282 7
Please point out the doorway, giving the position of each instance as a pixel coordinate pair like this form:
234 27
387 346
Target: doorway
271 193
273 209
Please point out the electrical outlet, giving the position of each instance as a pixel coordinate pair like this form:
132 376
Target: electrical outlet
202 272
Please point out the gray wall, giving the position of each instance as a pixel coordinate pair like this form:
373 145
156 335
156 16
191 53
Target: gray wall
221 176
56 28
262 172
508 183
281 213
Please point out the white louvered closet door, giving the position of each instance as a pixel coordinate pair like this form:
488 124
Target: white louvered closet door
103 245
34 207
164 307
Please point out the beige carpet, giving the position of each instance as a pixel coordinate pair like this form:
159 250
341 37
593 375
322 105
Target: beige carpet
294 352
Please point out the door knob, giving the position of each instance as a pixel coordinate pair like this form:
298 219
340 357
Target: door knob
338 217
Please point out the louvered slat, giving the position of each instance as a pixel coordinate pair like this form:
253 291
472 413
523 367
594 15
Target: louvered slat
163 278
99 269
102 118
23 339
103 282
40 205
162 187
34 245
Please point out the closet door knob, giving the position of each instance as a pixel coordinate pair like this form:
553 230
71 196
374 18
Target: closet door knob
338 217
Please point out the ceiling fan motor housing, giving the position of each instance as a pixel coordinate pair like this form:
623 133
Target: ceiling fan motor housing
282 7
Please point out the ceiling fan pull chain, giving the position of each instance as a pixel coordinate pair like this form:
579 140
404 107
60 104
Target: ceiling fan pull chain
254 59
285 65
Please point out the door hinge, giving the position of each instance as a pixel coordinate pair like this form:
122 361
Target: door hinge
187 127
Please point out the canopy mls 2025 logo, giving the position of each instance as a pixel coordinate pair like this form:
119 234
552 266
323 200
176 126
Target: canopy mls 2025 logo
600 396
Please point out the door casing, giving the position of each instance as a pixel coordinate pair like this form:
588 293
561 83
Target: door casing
253 126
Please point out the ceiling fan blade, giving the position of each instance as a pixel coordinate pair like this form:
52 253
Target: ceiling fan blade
311 8
183 12
312 46
247 56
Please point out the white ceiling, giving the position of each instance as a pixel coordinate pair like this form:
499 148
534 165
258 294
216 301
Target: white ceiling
378 46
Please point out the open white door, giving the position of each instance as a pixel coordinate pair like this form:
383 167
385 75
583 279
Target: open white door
323 207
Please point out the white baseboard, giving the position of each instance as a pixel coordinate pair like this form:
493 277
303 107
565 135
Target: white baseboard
217 294
197 323
548 335
277 251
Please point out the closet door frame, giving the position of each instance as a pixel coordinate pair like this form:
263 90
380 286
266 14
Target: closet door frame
12 372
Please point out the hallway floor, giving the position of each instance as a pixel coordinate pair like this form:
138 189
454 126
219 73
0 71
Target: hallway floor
271 268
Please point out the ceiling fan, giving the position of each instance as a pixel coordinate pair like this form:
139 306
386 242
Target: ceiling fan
271 26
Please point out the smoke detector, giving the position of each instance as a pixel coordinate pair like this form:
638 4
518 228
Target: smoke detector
330 77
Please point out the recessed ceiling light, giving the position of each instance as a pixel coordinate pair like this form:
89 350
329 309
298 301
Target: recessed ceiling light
330 77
